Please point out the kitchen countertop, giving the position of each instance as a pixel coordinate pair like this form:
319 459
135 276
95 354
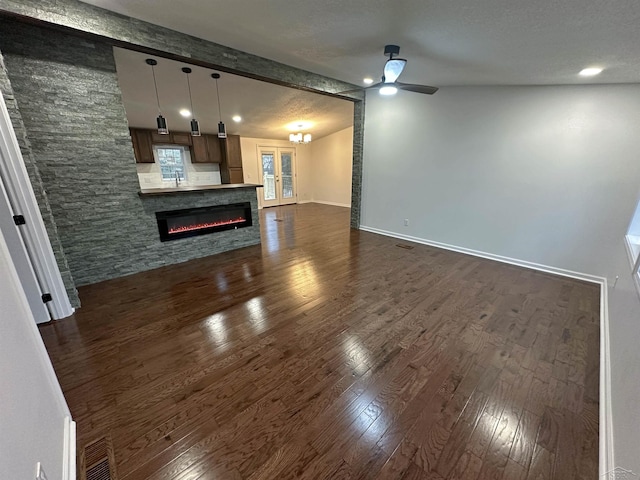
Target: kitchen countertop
171 191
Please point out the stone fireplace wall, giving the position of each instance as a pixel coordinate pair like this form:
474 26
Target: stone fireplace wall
67 93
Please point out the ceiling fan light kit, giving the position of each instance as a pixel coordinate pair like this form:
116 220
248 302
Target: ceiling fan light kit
393 68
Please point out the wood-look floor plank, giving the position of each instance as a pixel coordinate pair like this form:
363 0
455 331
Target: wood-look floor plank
330 353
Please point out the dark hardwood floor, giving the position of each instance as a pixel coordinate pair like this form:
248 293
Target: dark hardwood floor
330 353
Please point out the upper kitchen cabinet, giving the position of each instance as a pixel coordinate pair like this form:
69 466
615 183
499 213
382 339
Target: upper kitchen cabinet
234 154
172 138
206 149
142 145
231 166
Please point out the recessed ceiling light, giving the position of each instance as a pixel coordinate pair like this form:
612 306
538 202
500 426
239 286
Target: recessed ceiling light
388 90
590 72
236 118
185 113
368 80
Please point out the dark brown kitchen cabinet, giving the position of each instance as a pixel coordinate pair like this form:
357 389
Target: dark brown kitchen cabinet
142 146
206 149
236 175
172 138
234 154
214 149
199 150
231 166
180 138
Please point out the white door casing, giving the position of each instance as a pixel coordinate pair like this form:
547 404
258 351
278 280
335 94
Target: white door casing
34 234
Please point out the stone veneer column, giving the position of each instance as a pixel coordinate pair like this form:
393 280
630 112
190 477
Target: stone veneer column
37 185
356 172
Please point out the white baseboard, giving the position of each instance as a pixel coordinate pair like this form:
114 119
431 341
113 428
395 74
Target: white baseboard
498 258
335 204
69 450
606 446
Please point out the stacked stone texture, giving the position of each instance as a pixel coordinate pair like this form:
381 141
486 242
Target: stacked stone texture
70 102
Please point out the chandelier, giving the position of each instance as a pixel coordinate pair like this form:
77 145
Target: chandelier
299 137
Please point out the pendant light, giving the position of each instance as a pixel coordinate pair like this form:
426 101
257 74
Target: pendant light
222 131
162 123
195 128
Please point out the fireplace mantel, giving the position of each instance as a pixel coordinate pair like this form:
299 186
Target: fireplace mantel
178 190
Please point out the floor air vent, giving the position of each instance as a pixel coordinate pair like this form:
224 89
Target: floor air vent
406 247
97 461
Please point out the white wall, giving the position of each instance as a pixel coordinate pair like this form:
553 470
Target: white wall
198 174
32 408
544 174
332 160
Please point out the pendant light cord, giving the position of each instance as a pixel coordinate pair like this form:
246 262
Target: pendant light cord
190 99
218 97
153 71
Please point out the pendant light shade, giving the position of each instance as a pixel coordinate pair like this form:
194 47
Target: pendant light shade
162 125
222 130
161 122
195 127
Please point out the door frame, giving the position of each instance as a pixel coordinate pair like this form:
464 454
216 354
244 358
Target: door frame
21 260
21 196
294 164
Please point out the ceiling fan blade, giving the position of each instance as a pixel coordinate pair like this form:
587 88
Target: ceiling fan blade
393 68
410 87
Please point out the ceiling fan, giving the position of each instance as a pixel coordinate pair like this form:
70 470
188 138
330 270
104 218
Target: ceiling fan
389 84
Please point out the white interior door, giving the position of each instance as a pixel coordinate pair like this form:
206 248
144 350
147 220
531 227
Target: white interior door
21 260
277 167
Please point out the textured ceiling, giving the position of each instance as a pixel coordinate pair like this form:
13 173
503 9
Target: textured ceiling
266 109
447 42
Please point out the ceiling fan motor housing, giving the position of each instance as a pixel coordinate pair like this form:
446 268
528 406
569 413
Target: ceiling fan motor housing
391 50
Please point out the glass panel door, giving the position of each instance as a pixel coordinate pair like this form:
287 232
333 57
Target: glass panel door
268 165
287 194
278 176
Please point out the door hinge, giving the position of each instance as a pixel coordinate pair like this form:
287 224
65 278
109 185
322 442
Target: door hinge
46 297
19 220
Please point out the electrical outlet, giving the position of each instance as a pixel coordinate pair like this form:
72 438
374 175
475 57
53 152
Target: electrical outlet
40 475
406 222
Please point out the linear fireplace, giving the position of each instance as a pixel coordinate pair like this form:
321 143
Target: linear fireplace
200 221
